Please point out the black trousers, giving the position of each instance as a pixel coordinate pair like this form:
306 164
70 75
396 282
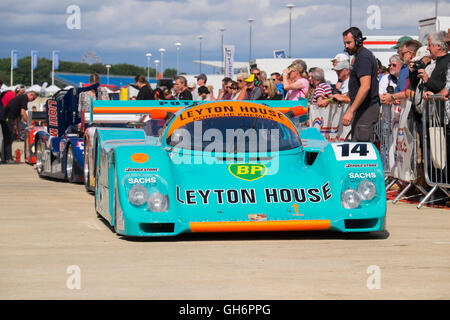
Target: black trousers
364 124
8 139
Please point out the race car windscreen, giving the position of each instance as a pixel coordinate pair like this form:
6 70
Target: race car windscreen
234 135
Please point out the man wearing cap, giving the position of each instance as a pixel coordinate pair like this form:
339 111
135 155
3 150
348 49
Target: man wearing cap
400 43
342 69
201 82
253 92
407 53
339 58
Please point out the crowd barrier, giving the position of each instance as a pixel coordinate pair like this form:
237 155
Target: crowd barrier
436 148
399 150
329 121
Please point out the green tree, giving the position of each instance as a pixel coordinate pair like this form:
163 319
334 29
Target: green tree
43 71
170 73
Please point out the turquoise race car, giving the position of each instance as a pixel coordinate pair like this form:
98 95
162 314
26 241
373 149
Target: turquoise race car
231 166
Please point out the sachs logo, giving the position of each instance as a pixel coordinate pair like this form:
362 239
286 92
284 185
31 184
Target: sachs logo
248 171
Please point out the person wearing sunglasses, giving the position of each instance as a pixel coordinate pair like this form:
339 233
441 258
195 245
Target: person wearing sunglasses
270 91
295 81
241 86
390 80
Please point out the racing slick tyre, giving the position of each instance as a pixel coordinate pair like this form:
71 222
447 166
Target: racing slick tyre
69 165
40 149
86 169
116 203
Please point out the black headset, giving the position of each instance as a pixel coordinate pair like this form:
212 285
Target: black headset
357 36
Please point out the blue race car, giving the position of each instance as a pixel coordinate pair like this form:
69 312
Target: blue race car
234 166
59 148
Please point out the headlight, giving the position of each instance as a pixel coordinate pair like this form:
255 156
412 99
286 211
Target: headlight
350 199
137 195
367 190
157 202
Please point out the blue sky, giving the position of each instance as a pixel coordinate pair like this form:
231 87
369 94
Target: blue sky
124 31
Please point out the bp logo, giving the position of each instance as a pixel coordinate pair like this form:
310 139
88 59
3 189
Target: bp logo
248 171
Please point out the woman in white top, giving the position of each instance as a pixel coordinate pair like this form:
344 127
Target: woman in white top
242 86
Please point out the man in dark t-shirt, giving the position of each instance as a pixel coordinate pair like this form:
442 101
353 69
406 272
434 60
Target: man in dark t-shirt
15 109
364 108
181 87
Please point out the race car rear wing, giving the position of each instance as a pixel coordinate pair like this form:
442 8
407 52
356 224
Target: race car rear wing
120 111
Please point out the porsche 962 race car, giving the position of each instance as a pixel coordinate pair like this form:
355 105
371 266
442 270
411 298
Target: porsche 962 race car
233 166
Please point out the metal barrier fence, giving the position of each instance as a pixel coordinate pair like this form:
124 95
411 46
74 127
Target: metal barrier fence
436 148
398 149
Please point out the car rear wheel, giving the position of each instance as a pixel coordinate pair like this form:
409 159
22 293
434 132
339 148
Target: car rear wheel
69 164
86 168
40 157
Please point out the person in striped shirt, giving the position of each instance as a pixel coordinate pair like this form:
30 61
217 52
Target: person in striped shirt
321 88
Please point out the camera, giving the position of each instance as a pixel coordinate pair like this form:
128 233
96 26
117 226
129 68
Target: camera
334 91
390 89
418 65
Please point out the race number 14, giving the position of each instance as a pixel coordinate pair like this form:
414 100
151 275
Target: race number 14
354 151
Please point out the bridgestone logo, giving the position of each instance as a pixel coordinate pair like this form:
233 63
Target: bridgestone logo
141 170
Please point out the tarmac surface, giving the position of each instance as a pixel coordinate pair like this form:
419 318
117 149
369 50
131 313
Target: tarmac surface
53 246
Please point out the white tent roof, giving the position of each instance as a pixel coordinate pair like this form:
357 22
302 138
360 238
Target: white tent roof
52 89
37 88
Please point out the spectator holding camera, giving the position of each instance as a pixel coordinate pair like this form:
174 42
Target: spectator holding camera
340 94
407 53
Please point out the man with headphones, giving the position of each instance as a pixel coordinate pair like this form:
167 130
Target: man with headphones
254 92
364 108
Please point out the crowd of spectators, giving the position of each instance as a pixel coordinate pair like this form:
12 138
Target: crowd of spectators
362 81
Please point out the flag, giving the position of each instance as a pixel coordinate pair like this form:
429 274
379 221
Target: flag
34 59
14 59
55 60
229 60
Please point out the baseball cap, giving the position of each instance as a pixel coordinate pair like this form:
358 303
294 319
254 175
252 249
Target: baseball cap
421 52
341 65
341 57
401 41
251 78
201 76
